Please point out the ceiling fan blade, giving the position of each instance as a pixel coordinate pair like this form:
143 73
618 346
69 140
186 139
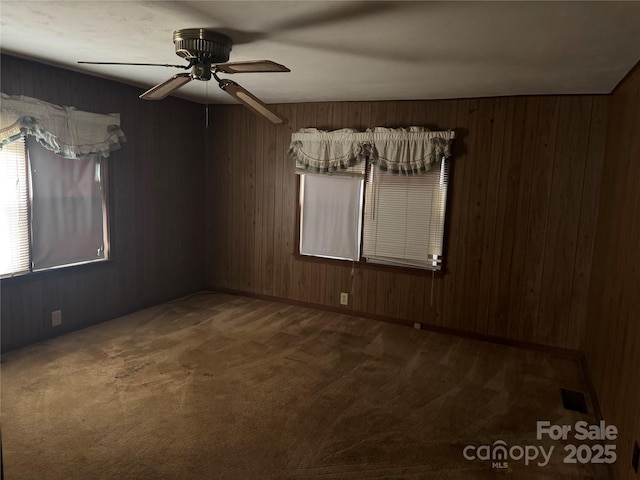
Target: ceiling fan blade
163 89
251 67
338 12
138 64
252 102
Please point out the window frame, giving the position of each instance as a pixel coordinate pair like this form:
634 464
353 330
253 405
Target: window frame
107 209
361 262
302 178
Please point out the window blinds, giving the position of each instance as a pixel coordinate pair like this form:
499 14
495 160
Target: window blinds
14 213
330 216
404 217
68 207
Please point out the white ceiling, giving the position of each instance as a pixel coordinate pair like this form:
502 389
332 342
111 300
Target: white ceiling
345 50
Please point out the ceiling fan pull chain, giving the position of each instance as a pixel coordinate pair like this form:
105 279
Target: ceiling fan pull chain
206 105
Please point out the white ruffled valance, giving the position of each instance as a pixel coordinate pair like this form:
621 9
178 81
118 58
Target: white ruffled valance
319 151
405 151
65 131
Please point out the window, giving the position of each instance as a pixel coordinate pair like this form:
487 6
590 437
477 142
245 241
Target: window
377 196
404 217
14 214
386 218
330 218
53 209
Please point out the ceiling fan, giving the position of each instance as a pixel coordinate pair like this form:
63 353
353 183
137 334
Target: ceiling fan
208 54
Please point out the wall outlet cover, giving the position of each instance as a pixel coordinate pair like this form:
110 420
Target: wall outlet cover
56 318
344 298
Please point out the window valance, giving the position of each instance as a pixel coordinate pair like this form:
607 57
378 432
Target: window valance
65 131
405 151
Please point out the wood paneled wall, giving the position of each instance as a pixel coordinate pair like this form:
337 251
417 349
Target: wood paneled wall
612 344
528 187
156 197
521 219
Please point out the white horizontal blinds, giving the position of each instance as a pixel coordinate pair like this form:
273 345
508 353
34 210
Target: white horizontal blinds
67 212
14 212
330 220
404 217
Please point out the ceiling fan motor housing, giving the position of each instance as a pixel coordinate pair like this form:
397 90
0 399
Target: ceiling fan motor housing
203 45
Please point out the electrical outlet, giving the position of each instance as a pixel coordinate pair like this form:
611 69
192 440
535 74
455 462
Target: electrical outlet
56 318
344 298
417 325
636 457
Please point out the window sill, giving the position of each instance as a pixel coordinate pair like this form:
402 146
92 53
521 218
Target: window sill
421 272
86 267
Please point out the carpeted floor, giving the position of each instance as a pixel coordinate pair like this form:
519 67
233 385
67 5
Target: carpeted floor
226 387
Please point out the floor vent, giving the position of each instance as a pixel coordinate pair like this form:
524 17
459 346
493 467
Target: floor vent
573 400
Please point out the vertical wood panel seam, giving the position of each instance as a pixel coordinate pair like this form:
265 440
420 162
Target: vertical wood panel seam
544 249
575 258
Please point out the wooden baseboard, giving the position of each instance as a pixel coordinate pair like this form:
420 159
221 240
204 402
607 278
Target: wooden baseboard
595 403
584 365
559 351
